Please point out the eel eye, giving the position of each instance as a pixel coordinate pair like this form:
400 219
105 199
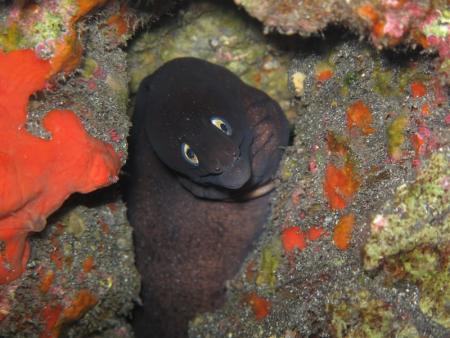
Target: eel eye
188 154
222 125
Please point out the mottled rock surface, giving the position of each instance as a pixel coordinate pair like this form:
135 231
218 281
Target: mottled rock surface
371 145
367 123
387 23
219 34
81 277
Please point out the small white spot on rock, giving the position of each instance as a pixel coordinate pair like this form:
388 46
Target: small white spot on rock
298 79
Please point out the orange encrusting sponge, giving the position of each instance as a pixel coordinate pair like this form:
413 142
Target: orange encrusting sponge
37 175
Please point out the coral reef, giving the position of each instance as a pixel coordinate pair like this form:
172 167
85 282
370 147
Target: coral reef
375 317
388 23
38 175
81 272
47 28
365 123
80 278
417 220
368 169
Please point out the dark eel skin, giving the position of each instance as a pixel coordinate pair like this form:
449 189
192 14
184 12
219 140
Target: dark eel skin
193 222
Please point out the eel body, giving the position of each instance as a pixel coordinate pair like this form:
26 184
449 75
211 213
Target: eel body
201 142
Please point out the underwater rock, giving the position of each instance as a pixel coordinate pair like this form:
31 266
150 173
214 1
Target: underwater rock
219 34
81 270
80 277
376 318
348 157
38 175
410 238
387 23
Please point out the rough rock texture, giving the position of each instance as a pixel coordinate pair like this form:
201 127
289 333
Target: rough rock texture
417 219
220 34
82 266
311 290
387 23
81 277
366 123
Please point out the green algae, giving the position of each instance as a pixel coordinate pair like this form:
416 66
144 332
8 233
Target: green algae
88 67
269 262
439 26
50 27
412 237
428 268
325 65
435 296
288 168
396 136
41 32
445 66
11 38
408 75
351 78
419 215
420 263
383 82
375 318
387 83
74 223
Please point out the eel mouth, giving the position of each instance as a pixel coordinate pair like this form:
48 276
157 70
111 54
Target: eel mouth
238 173
236 176
259 191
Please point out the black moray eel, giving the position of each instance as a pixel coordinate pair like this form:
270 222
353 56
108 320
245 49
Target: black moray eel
204 148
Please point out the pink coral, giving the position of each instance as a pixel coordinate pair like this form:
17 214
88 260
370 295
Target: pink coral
37 175
400 19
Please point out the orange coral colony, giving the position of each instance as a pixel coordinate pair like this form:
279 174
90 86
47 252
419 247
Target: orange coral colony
69 50
260 306
359 116
343 231
37 175
340 183
294 238
418 89
324 75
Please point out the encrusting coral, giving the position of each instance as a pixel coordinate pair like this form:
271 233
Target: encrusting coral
37 175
